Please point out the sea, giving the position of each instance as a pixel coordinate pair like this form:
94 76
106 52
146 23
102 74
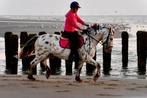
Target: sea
131 24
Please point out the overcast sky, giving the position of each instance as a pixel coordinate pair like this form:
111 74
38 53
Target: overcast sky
60 7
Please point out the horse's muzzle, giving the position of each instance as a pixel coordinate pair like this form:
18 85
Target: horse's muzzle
108 50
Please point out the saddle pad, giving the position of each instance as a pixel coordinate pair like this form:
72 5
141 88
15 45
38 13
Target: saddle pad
64 42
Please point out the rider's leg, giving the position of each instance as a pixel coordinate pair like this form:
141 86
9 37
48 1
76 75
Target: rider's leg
74 46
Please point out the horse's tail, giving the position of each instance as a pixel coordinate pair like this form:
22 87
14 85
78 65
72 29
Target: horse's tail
28 47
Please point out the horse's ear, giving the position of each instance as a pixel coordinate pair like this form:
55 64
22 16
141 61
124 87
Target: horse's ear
112 30
96 26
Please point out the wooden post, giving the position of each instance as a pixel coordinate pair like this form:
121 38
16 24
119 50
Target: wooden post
11 51
55 65
26 61
23 40
30 58
90 68
68 66
125 37
14 55
41 63
141 51
7 51
106 62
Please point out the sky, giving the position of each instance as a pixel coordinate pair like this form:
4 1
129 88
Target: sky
60 7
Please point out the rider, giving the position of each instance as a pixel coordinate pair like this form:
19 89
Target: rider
71 24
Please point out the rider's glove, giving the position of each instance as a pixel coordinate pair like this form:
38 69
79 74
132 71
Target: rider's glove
86 24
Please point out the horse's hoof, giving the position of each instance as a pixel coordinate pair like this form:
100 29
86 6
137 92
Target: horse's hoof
30 77
78 79
92 81
48 73
96 77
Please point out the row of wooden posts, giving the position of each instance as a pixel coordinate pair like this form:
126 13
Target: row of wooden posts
11 51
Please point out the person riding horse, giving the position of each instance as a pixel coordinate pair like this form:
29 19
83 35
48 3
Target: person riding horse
70 29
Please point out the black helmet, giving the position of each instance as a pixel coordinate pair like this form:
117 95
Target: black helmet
74 4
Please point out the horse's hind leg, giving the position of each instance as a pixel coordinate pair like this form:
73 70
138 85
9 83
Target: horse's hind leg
48 70
32 65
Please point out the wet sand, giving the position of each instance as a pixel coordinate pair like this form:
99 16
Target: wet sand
18 86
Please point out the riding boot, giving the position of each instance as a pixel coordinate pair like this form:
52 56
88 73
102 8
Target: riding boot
71 55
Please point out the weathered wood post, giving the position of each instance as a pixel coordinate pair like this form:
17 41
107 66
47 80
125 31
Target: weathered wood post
106 62
90 68
142 51
11 51
55 63
24 37
30 58
14 49
7 50
41 63
68 66
125 37
23 40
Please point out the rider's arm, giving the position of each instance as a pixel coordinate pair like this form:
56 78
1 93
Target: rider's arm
81 21
73 21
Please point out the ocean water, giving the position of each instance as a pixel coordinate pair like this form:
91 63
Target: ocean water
132 23
116 60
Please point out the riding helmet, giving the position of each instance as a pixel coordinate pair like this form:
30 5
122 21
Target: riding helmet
74 4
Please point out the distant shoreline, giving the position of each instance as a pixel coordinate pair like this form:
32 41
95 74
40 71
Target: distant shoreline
51 24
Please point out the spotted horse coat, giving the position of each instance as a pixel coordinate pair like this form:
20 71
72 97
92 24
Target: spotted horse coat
47 45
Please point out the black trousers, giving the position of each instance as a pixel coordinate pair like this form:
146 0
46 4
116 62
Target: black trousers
74 40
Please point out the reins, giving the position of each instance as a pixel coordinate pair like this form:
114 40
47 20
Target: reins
92 37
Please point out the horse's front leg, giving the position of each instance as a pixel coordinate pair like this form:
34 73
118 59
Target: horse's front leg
91 61
78 70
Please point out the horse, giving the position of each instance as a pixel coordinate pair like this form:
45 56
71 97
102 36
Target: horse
47 45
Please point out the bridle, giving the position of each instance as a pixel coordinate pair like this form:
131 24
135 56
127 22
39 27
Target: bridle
92 37
106 41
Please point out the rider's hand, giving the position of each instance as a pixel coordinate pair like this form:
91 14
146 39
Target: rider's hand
86 24
84 31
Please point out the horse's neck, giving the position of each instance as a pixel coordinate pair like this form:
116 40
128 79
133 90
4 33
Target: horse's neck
94 39
89 43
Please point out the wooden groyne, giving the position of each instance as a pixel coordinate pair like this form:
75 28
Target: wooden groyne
142 51
12 44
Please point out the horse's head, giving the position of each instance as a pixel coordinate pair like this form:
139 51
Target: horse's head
108 39
103 34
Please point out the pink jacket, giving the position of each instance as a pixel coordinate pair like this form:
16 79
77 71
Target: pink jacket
71 22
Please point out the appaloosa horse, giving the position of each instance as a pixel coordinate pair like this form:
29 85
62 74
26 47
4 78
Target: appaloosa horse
48 45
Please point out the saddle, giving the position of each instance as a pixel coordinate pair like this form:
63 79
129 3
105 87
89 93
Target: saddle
65 43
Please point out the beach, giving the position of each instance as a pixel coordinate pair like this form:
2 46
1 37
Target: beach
120 84
18 86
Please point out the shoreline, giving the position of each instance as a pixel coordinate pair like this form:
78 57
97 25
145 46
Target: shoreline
17 86
49 26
